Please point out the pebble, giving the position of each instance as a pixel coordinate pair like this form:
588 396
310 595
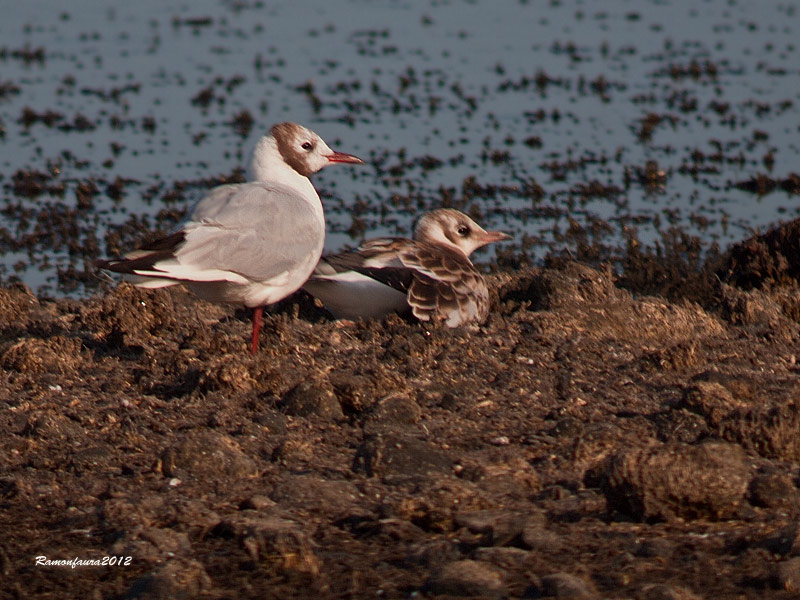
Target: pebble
499 527
204 454
787 575
98 459
398 453
769 430
54 427
273 420
281 542
711 400
395 410
536 537
258 502
565 585
179 578
468 578
318 494
773 490
151 544
312 399
667 592
677 480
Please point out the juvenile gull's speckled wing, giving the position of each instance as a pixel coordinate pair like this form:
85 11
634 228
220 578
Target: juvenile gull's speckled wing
439 283
446 286
375 259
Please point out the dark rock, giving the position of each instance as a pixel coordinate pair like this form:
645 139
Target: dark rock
433 553
676 480
759 309
540 430
316 493
787 575
662 591
312 399
54 427
258 502
535 536
499 527
132 512
681 425
99 459
53 355
152 544
564 585
440 396
179 578
226 374
273 420
395 410
204 454
503 557
355 392
279 543
130 317
773 431
653 548
572 284
766 259
773 490
397 453
711 400
468 578
16 303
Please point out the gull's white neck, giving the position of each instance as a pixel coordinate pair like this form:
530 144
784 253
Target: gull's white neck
268 166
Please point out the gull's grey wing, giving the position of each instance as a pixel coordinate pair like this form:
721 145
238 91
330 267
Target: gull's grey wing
253 231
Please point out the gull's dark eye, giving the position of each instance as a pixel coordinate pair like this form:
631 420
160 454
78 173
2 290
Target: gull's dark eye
307 146
463 231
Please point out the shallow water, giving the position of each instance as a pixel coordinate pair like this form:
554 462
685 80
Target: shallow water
471 104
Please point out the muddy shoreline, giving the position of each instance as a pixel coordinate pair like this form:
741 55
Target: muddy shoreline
594 439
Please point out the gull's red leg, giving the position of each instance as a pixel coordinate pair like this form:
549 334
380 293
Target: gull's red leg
256 329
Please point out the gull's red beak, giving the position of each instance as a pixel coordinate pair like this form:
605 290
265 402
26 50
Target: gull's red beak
341 157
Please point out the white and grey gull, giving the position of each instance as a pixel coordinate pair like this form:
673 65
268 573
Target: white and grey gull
430 275
251 243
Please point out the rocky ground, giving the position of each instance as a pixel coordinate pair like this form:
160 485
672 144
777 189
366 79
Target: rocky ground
604 435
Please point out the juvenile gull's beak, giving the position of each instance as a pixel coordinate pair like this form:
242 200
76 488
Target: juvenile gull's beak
495 236
341 157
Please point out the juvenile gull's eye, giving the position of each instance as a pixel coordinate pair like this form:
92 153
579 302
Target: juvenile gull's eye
463 230
307 146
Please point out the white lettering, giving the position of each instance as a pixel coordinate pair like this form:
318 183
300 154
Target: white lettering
43 561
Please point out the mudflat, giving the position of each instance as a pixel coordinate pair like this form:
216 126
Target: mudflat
628 434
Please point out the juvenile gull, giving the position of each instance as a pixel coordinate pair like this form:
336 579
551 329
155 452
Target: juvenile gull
431 275
250 243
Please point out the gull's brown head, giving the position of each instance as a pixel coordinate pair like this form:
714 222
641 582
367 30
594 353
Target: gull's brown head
305 151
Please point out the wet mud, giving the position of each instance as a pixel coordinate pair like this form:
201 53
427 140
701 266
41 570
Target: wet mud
592 439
